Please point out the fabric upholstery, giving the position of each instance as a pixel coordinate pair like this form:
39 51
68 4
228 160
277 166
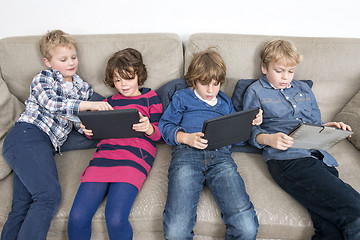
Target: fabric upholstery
350 114
331 63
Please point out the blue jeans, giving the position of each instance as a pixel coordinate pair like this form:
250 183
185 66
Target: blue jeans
334 206
190 170
36 189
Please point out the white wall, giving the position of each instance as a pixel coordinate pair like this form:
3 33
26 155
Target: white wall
313 18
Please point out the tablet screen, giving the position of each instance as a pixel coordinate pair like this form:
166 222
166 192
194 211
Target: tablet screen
112 123
229 129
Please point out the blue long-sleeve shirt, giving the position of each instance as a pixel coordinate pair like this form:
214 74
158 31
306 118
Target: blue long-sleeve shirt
283 110
187 113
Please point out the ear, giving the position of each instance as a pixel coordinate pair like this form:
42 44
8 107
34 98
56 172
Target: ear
263 69
47 62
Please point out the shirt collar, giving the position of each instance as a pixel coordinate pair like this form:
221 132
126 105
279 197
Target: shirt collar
265 83
212 102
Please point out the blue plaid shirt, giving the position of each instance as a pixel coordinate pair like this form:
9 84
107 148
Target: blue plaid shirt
53 107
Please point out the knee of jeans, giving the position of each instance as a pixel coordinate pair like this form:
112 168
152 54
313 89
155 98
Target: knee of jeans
247 230
251 229
50 199
243 224
177 227
352 230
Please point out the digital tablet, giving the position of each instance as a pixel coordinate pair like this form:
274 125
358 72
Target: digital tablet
229 129
311 136
112 123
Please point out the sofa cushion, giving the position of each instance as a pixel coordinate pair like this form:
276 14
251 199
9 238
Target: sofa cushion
10 108
166 91
350 114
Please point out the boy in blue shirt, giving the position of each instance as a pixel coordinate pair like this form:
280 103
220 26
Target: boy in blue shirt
192 166
308 175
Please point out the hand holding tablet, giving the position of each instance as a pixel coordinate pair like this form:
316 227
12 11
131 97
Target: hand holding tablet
112 123
229 129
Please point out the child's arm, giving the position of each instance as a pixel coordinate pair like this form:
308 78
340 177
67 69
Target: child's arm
341 125
149 123
258 118
282 141
94 106
277 140
144 125
87 132
53 100
192 139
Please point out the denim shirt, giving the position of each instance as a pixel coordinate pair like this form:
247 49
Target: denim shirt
283 110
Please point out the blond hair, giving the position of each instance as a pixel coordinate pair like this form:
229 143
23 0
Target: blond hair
55 38
206 66
282 50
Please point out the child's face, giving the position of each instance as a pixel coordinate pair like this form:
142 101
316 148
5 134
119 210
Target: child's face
126 87
208 91
64 60
279 74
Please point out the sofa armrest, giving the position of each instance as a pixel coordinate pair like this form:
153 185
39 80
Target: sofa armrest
350 114
10 109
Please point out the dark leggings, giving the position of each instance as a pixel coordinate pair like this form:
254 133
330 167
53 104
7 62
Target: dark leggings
120 198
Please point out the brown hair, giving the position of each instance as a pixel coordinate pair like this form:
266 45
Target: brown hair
127 63
52 39
280 50
206 66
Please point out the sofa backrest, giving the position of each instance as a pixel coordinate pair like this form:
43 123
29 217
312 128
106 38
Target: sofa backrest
333 64
20 59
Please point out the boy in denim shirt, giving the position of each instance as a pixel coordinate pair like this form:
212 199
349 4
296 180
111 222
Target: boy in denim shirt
192 165
309 176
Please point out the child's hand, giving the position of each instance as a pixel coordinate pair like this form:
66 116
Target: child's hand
195 140
341 125
94 106
259 118
278 140
87 132
144 125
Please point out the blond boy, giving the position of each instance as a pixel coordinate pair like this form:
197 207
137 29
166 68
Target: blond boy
56 96
308 175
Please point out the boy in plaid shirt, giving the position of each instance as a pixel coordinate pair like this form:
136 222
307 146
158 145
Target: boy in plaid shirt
56 96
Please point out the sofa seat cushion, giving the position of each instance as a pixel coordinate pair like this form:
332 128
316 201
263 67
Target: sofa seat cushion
350 114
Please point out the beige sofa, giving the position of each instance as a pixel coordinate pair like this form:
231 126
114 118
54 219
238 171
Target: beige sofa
332 64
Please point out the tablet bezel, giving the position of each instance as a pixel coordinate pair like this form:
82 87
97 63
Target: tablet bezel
112 123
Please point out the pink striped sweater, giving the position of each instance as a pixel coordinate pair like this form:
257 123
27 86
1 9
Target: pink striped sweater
128 159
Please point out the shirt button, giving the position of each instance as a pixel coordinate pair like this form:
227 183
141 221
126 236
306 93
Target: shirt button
294 106
287 98
300 95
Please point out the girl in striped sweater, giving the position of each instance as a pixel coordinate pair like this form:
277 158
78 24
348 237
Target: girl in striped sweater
119 166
